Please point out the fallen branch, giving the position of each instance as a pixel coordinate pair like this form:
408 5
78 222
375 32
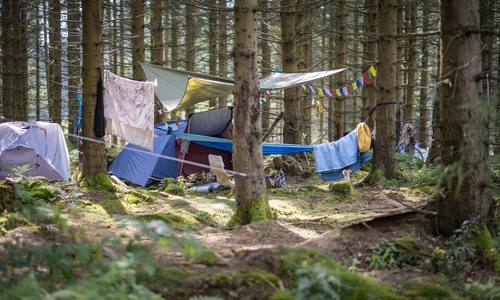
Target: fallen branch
388 213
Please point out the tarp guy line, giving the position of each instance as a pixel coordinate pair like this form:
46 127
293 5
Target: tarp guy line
166 157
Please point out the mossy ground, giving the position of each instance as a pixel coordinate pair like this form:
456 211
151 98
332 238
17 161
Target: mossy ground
261 260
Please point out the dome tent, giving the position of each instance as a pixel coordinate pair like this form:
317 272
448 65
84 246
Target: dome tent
40 146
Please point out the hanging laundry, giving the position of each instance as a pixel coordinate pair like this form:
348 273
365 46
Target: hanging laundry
129 109
332 158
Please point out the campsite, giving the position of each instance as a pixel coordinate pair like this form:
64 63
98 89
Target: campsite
371 238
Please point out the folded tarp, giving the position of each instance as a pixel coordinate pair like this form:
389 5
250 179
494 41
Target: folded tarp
177 88
227 145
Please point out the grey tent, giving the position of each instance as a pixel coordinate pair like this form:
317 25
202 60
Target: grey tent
35 148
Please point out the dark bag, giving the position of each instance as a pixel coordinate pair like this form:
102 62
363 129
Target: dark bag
99 121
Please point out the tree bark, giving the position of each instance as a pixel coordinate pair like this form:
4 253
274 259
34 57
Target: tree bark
138 48
465 187
369 96
424 82
7 62
291 127
94 153
251 200
385 137
55 63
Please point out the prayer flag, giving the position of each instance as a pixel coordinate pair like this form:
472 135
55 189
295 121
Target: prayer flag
365 77
348 89
304 87
338 92
358 83
320 93
354 86
268 94
311 88
332 93
373 71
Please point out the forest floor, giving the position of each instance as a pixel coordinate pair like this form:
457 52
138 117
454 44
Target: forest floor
354 230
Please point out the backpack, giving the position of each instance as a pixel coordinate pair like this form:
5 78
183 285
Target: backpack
364 137
279 180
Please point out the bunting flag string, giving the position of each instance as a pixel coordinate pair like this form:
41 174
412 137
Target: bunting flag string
343 91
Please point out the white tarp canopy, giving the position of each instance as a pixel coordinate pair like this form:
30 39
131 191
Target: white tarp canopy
177 88
37 148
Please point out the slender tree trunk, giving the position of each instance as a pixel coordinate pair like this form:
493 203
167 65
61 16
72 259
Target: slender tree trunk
157 45
55 64
466 187
400 57
251 200
7 62
291 128
368 91
266 66
190 43
74 59
138 48
303 64
331 81
37 65
340 104
94 153
212 47
424 81
383 154
409 112
21 103
222 39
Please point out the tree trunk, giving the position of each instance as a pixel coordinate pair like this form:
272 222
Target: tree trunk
94 153
251 200
400 57
157 45
466 189
340 104
385 137
222 39
55 63
212 46
409 112
21 103
138 48
424 82
368 91
74 57
265 66
331 81
291 127
190 43
7 62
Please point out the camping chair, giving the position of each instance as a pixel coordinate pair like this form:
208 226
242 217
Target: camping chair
217 167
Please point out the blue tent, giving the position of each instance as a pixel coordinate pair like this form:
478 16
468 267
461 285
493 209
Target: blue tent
141 166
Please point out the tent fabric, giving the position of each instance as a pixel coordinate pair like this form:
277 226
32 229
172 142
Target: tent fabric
140 166
38 145
227 145
171 85
215 123
286 80
177 88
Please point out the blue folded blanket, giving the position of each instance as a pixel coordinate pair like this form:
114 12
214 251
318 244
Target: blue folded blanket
332 158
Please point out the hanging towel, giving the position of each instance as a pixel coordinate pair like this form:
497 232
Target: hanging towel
129 109
332 158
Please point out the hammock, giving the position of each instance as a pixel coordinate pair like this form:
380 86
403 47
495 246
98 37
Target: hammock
227 145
